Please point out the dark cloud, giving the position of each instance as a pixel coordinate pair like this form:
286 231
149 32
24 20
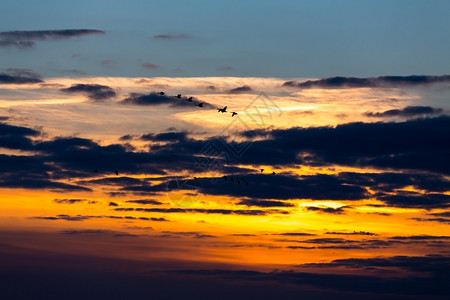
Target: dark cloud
265 203
26 39
68 201
421 144
157 99
66 218
225 68
261 186
243 212
328 210
295 234
409 111
241 89
382 81
18 44
98 232
411 199
145 201
176 136
17 79
22 72
93 91
171 36
148 65
350 233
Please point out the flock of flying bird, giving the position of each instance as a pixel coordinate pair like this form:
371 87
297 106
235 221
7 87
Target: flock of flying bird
190 99
222 110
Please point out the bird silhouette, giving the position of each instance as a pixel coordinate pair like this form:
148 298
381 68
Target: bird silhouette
273 173
96 171
189 99
233 113
179 96
161 93
117 173
200 105
222 110
262 170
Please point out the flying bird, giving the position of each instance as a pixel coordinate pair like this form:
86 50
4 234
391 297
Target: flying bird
179 96
200 105
189 99
233 113
117 173
161 93
262 170
222 110
273 173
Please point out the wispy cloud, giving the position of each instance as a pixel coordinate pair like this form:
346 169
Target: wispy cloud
381 81
171 36
26 39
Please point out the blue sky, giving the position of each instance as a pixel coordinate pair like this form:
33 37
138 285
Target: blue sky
234 38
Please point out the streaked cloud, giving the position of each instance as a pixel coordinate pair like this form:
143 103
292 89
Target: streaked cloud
26 39
381 81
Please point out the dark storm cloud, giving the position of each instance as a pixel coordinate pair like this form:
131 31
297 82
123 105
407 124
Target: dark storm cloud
93 91
429 281
411 199
18 79
284 187
241 89
171 36
157 99
26 39
422 144
382 81
430 263
355 144
409 111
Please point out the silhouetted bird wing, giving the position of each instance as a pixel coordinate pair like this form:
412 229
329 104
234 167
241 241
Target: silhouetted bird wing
262 170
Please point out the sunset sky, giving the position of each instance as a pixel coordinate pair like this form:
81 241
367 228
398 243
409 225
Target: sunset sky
325 173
